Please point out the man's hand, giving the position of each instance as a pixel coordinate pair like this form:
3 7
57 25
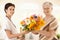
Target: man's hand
35 32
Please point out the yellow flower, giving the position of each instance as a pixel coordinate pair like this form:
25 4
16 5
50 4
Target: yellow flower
37 27
31 25
22 22
31 17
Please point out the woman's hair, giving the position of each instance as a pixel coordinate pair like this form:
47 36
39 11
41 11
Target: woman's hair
7 5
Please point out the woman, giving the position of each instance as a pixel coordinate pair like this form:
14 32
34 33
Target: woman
49 31
10 28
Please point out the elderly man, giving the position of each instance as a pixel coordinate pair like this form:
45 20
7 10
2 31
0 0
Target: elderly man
49 31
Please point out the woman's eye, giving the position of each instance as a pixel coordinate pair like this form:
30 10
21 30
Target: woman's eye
13 9
10 9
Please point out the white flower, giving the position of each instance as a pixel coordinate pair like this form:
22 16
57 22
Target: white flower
27 21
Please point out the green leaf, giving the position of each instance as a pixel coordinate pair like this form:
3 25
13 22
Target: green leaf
58 36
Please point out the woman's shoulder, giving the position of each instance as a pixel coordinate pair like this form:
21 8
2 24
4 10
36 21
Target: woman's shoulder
6 19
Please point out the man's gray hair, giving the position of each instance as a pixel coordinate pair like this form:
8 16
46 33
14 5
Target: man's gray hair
48 3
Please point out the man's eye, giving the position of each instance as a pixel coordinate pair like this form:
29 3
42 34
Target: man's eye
47 8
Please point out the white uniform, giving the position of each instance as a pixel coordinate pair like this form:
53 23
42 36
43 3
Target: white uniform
10 26
3 35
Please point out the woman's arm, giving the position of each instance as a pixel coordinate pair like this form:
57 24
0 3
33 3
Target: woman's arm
10 35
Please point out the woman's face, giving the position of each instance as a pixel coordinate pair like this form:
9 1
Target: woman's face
10 11
47 8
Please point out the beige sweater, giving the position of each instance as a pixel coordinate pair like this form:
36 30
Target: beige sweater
51 25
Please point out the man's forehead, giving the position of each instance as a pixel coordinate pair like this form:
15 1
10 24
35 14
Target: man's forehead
47 5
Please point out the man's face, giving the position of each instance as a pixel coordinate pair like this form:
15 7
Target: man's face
47 8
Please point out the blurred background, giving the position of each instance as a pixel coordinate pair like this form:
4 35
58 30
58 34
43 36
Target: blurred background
25 8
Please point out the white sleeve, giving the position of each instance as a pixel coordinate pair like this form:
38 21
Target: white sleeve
7 26
3 35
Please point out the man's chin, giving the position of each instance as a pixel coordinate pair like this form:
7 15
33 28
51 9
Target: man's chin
46 12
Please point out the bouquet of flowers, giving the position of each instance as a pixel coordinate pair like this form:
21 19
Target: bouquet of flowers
34 22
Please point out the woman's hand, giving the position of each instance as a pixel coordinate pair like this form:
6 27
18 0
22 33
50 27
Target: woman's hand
24 32
21 37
